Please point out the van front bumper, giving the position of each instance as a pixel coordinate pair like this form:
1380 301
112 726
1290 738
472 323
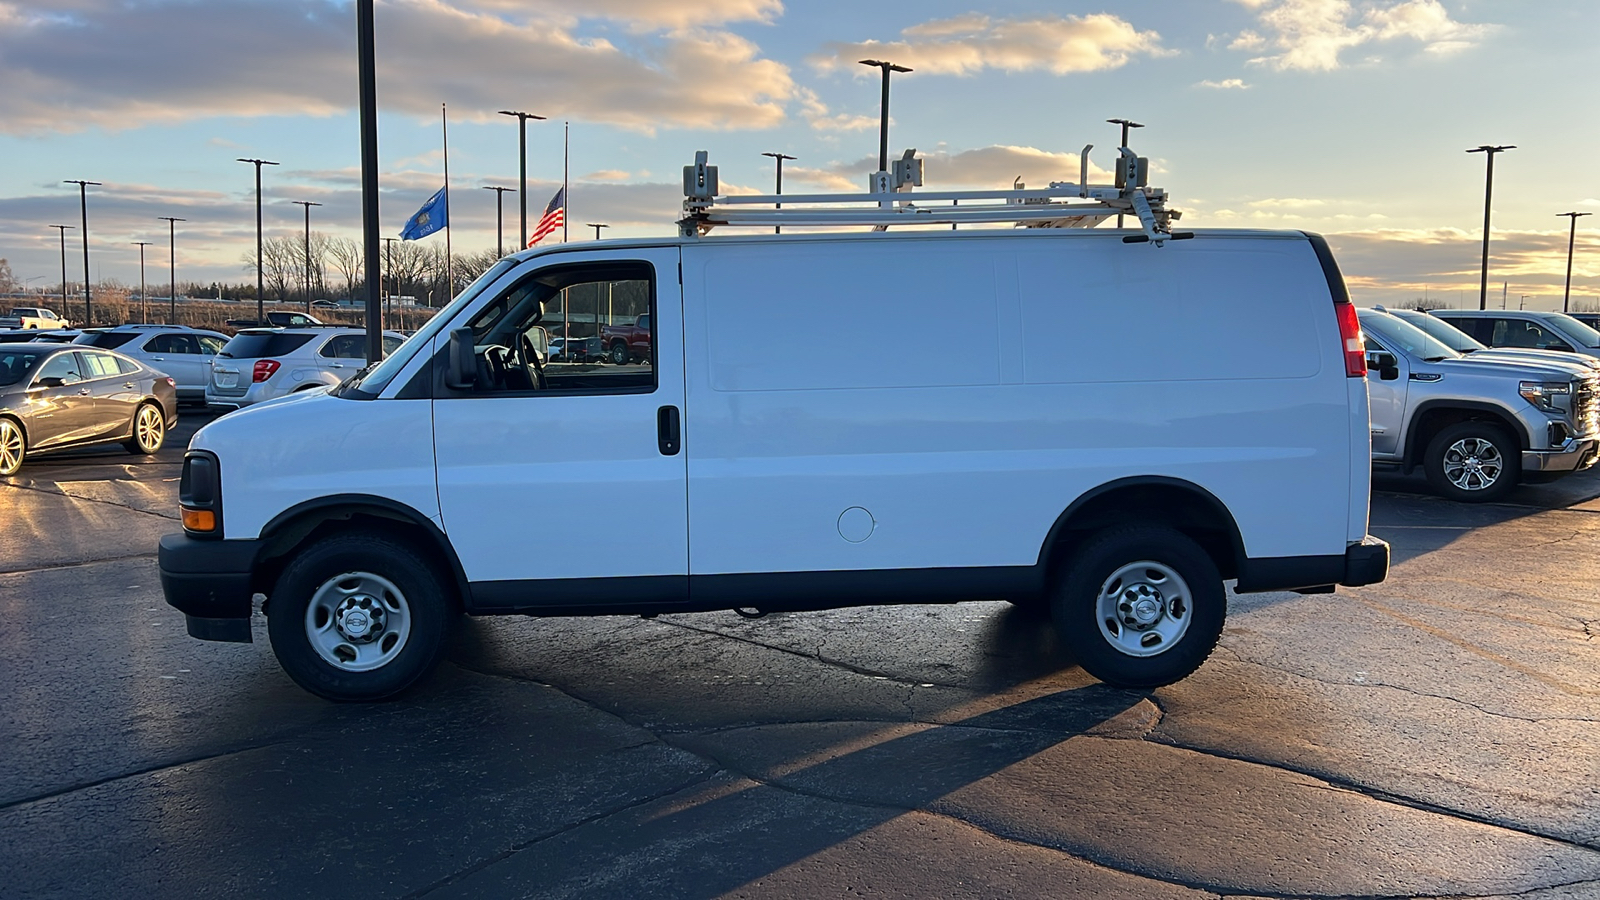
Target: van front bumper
210 583
1573 456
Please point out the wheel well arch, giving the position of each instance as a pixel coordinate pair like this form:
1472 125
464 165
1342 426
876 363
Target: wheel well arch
1155 499
314 519
1432 418
21 426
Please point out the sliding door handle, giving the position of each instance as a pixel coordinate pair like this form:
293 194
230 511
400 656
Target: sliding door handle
668 436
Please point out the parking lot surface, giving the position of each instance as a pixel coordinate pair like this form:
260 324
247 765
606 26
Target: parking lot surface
1435 735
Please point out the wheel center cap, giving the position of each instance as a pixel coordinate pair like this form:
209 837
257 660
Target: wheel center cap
1146 610
360 619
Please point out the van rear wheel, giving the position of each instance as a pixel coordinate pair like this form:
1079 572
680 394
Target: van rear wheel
1473 462
358 617
1140 606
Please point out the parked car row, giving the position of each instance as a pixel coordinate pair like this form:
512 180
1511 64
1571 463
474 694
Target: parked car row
58 396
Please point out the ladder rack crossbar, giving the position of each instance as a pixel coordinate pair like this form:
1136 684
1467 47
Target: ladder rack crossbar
1101 192
910 215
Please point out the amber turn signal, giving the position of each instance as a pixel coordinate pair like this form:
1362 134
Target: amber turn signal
199 520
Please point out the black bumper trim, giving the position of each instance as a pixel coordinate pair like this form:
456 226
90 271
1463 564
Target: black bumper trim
1363 563
234 631
207 579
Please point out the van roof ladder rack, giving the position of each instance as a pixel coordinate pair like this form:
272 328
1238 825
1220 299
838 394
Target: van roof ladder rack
889 202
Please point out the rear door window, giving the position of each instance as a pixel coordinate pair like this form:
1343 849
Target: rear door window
100 365
345 346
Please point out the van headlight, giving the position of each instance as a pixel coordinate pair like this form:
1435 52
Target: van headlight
1544 394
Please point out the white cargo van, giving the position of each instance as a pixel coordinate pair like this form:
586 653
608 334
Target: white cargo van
1120 428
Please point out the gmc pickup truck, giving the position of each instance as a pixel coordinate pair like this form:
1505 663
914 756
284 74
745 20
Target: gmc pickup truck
627 343
33 317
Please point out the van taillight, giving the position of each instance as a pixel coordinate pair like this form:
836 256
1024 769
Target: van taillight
265 368
1355 355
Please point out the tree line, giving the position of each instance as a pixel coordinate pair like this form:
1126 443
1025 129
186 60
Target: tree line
334 269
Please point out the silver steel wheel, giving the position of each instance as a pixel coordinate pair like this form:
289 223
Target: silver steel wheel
1144 608
1473 464
149 429
11 447
358 621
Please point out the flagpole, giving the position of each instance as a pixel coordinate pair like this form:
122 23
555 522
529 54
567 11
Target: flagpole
566 136
449 265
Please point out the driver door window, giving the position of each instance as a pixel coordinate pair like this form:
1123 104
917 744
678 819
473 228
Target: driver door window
64 367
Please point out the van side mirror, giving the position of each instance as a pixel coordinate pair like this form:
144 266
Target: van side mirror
1388 367
461 367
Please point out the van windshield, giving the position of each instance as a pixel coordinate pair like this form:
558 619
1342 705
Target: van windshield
1578 331
1407 337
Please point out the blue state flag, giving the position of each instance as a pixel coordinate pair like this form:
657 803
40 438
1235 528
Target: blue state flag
434 215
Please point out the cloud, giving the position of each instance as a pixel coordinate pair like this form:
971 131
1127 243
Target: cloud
121 65
1396 265
1311 34
607 175
981 167
967 45
1228 84
641 15
1288 203
814 111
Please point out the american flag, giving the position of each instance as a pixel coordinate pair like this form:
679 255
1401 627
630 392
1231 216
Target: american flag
554 215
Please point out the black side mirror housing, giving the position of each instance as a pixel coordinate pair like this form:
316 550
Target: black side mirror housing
461 367
51 382
1388 367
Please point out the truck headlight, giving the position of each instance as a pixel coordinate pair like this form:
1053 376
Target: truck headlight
1544 394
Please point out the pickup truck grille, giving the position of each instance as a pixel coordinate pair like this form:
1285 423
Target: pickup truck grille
1586 408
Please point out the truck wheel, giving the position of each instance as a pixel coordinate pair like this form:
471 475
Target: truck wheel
13 447
1140 606
149 431
358 617
619 353
1473 462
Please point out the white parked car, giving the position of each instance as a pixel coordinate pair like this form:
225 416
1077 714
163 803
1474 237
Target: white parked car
262 363
180 351
1138 425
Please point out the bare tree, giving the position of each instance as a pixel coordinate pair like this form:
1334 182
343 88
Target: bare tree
284 262
8 281
349 259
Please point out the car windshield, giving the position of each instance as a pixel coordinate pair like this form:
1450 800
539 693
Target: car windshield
14 364
1578 331
1448 334
1406 337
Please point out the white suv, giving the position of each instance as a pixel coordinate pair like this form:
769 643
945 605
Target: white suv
262 363
179 351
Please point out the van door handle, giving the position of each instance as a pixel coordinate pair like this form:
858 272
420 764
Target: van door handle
667 436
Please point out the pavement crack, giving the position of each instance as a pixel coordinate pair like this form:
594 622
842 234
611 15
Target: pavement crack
1380 795
75 565
160 767
816 656
59 493
514 849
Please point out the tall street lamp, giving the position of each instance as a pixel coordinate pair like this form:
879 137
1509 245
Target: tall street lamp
499 217
144 298
172 266
64 229
596 226
261 314
1571 236
779 158
883 109
1488 192
522 167
307 204
1126 124
83 204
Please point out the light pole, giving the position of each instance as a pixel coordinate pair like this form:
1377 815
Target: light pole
172 267
307 204
1126 124
144 299
1488 192
779 158
883 110
64 229
596 226
499 217
388 267
522 167
83 205
1571 236
261 315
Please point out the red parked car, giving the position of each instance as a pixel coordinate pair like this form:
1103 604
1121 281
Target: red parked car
627 343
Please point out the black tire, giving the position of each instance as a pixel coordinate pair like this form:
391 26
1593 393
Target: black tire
1453 452
324 571
1189 609
13 446
151 441
619 353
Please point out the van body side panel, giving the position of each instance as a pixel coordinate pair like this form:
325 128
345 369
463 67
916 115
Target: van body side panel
851 407
567 486
375 448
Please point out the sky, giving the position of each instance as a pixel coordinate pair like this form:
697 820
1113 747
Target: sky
1346 117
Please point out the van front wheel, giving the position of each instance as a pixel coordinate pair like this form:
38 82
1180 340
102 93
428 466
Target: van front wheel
1140 606
358 617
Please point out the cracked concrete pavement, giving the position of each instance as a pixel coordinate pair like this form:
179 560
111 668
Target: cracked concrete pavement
1432 736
